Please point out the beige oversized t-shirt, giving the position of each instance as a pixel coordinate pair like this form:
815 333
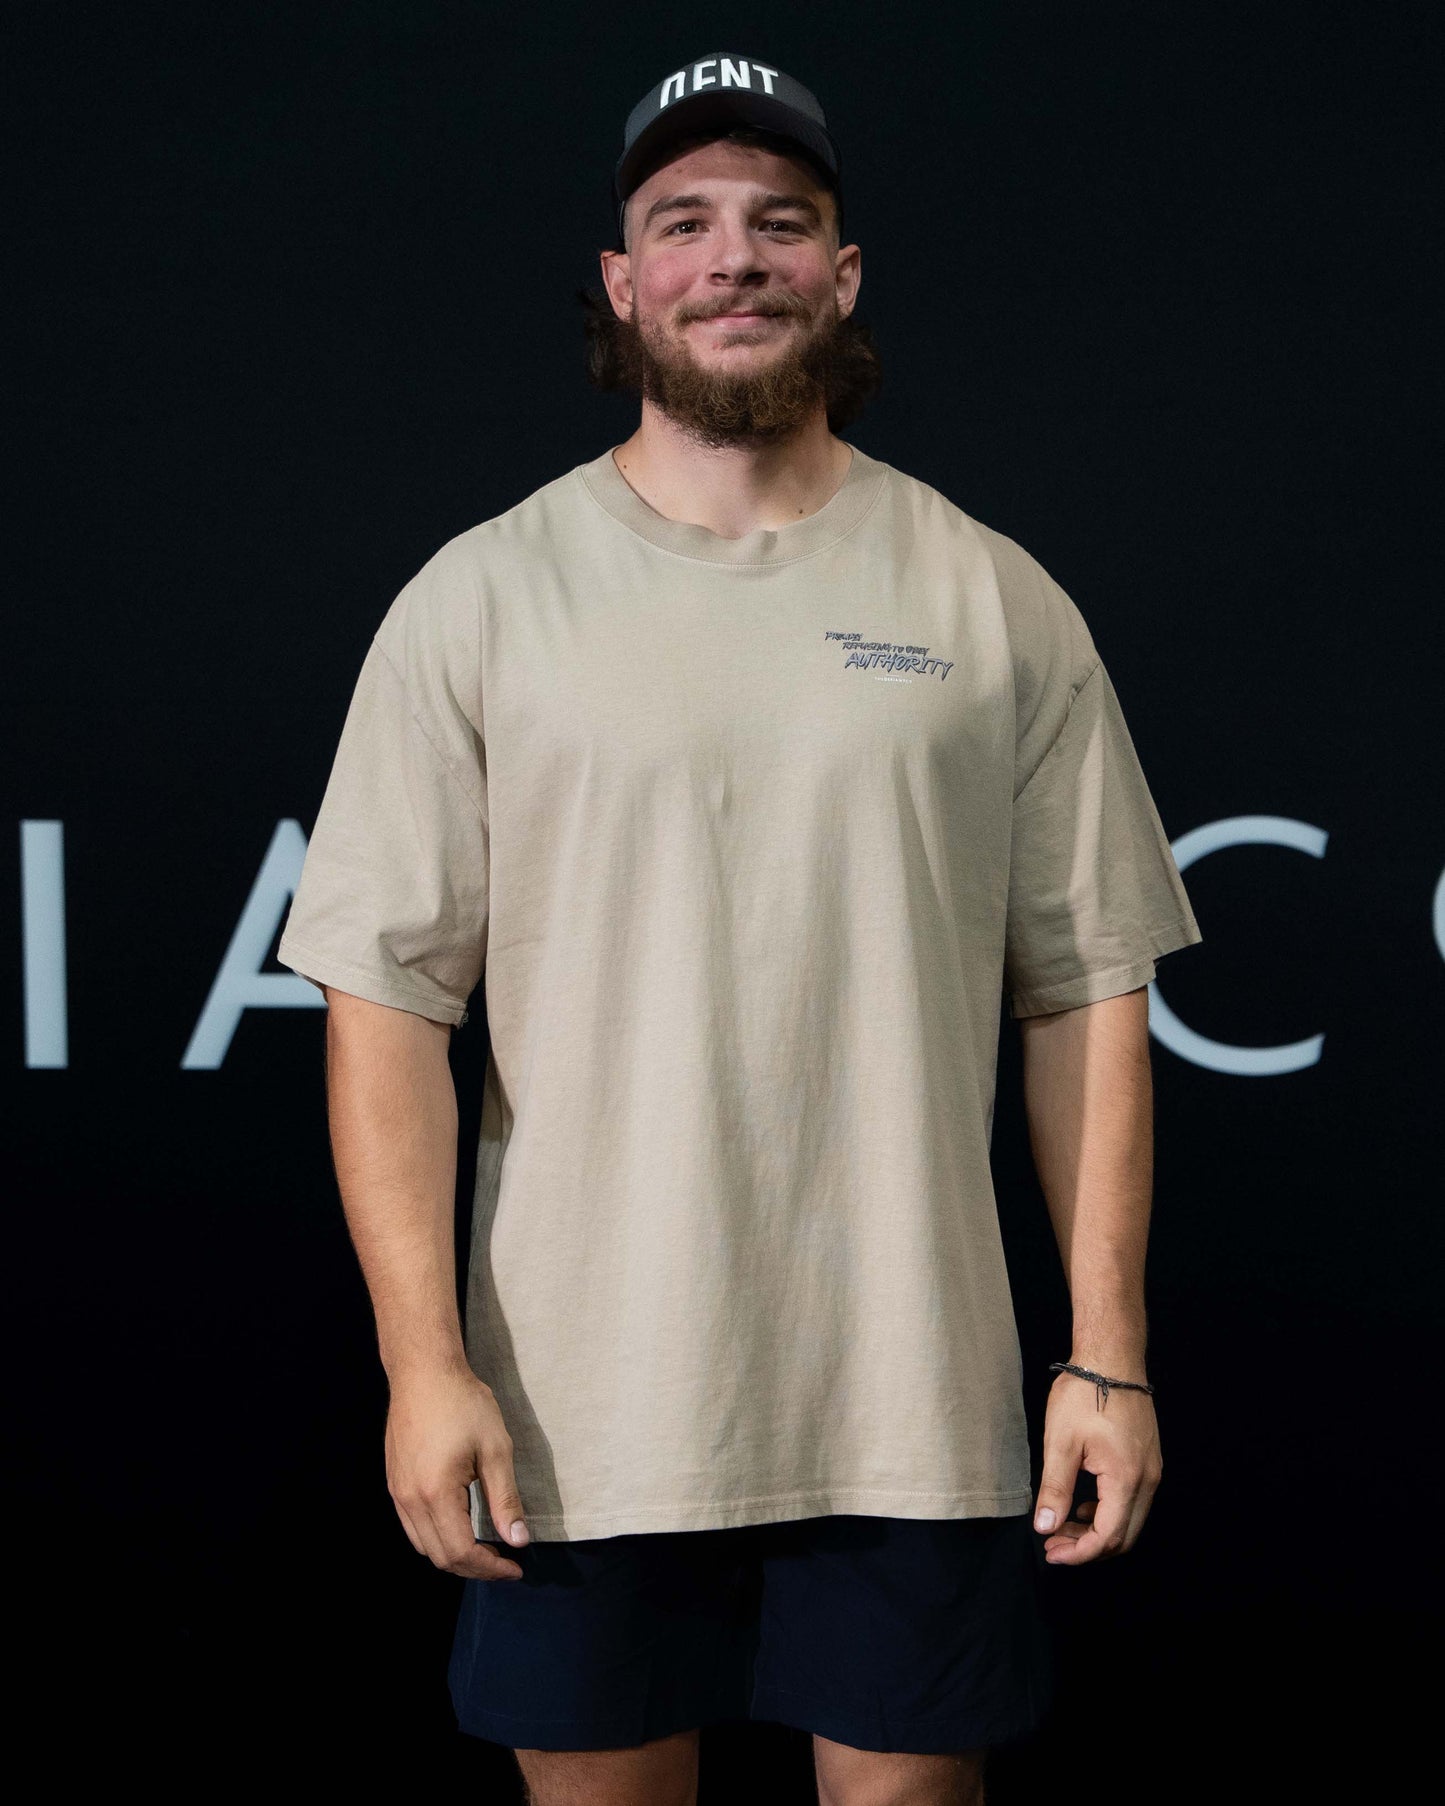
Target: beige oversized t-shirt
751 838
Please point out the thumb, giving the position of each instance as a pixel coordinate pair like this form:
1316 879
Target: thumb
1056 1494
504 1502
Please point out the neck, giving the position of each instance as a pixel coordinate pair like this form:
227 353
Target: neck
733 489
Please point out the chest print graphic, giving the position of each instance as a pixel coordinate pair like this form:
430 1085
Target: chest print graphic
881 656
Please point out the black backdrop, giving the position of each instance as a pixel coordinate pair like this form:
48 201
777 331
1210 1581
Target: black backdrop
294 302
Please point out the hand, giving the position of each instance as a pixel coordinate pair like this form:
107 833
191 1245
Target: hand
444 1430
1119 1445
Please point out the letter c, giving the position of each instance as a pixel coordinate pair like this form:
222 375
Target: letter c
1222 1056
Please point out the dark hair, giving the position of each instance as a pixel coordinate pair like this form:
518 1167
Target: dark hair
853 372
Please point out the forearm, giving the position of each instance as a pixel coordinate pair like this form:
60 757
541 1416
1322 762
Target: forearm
1088 1094
392 1110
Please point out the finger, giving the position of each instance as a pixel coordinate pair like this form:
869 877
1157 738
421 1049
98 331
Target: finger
502 1567
431 1546
1056 1484
1071 1551
499 1488
1068 1533
1103 1535
441 1543
1142 1505
410 1529
461 1553
1073 1527
410 1512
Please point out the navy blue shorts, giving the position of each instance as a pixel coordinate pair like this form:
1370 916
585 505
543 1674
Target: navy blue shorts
925 1635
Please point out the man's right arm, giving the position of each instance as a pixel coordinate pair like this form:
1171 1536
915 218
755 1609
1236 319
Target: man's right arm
392 1109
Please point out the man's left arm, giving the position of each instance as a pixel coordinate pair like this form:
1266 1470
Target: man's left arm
1089 1100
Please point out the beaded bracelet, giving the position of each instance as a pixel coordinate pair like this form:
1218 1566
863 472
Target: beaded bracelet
1101 1384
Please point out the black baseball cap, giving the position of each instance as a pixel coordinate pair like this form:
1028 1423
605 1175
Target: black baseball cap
718 90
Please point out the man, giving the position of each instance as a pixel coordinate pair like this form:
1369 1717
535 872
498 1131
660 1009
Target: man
754 774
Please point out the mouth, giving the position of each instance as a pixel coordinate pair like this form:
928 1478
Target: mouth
739 319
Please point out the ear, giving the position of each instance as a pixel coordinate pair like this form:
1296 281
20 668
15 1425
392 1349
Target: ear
617 280
847 276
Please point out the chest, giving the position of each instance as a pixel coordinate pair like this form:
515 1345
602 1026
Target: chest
717 675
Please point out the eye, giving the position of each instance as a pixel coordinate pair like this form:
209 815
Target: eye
788 225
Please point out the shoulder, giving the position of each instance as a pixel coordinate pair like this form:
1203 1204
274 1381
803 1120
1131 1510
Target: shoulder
1043 625
531 526
441 607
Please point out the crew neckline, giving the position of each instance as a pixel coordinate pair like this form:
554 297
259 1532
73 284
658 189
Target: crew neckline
845 508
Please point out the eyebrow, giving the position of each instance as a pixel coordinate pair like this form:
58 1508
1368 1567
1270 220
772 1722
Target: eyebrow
679 203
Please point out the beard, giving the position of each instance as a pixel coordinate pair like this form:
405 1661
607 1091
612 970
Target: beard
718 406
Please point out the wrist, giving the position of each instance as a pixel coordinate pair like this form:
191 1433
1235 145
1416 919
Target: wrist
1113 1363
1111 1338
425 1367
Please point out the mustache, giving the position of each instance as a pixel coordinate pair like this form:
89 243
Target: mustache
760 307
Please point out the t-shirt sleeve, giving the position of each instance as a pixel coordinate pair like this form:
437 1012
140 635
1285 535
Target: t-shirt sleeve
1095 898
392 902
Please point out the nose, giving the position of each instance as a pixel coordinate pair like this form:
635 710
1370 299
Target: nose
734 250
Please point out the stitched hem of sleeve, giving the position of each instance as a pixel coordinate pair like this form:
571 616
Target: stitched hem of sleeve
1110 981
359 981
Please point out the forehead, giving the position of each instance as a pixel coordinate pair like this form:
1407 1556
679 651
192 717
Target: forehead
726 164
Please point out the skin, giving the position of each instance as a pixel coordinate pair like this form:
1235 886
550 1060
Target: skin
683 268
1089 1100
392 1109
1087 1080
